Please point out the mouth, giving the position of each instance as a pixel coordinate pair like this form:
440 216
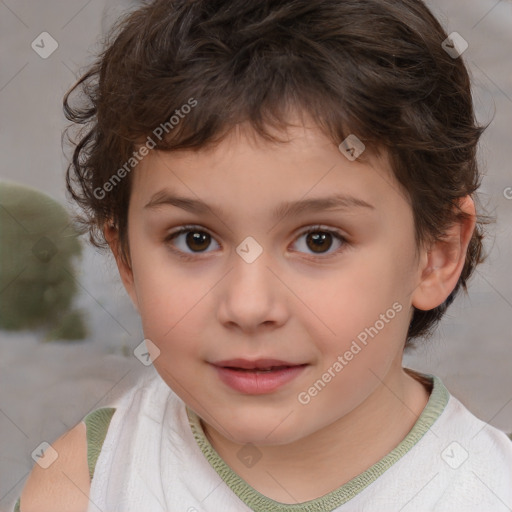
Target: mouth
263 365
257 377
259 370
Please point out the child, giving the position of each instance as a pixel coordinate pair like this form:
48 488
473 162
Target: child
260 131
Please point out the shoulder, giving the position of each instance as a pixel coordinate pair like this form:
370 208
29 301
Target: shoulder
472 427
479 445
65 484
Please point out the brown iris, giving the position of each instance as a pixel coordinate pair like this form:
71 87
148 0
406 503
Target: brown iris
199 239
320 241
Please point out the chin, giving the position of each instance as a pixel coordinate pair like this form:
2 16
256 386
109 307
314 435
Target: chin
262 432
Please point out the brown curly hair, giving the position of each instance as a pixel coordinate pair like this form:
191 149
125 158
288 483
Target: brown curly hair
373 68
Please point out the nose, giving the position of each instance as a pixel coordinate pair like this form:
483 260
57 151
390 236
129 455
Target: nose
251 297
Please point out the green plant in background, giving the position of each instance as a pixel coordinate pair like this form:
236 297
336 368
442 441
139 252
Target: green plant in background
37 247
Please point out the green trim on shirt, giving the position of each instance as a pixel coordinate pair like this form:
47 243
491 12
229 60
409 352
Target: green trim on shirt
17 506
97 423
259 503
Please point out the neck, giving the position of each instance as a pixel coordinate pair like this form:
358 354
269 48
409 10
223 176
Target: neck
338 452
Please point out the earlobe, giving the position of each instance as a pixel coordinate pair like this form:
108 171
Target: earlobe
443 261
111 234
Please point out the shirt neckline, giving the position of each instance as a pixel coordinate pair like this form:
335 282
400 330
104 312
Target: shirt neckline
258 502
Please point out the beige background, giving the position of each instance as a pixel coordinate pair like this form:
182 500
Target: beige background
47 388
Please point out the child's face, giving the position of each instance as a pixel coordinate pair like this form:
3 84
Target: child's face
303 300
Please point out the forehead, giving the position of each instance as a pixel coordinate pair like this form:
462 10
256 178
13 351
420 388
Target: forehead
244 172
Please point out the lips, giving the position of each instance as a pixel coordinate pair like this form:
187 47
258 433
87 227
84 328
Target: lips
259 364
261 376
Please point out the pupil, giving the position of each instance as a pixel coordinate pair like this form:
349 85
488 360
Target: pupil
318 240
200 238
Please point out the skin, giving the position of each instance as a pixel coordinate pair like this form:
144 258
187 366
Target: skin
65 484
291 303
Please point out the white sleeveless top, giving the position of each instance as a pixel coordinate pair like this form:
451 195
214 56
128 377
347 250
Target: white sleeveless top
156 458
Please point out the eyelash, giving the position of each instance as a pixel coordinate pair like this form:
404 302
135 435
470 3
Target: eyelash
194 256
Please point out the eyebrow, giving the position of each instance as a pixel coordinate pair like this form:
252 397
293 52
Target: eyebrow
290 208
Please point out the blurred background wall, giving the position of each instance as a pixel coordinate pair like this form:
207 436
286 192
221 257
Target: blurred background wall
47 387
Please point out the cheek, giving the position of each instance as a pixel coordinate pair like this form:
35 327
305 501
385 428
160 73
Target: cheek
167 297
365 346
358 293
365 307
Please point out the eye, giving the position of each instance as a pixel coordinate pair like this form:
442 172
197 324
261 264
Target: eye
319 240
191 240
197 240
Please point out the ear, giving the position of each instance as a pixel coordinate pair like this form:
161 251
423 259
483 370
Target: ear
442 264
111 234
